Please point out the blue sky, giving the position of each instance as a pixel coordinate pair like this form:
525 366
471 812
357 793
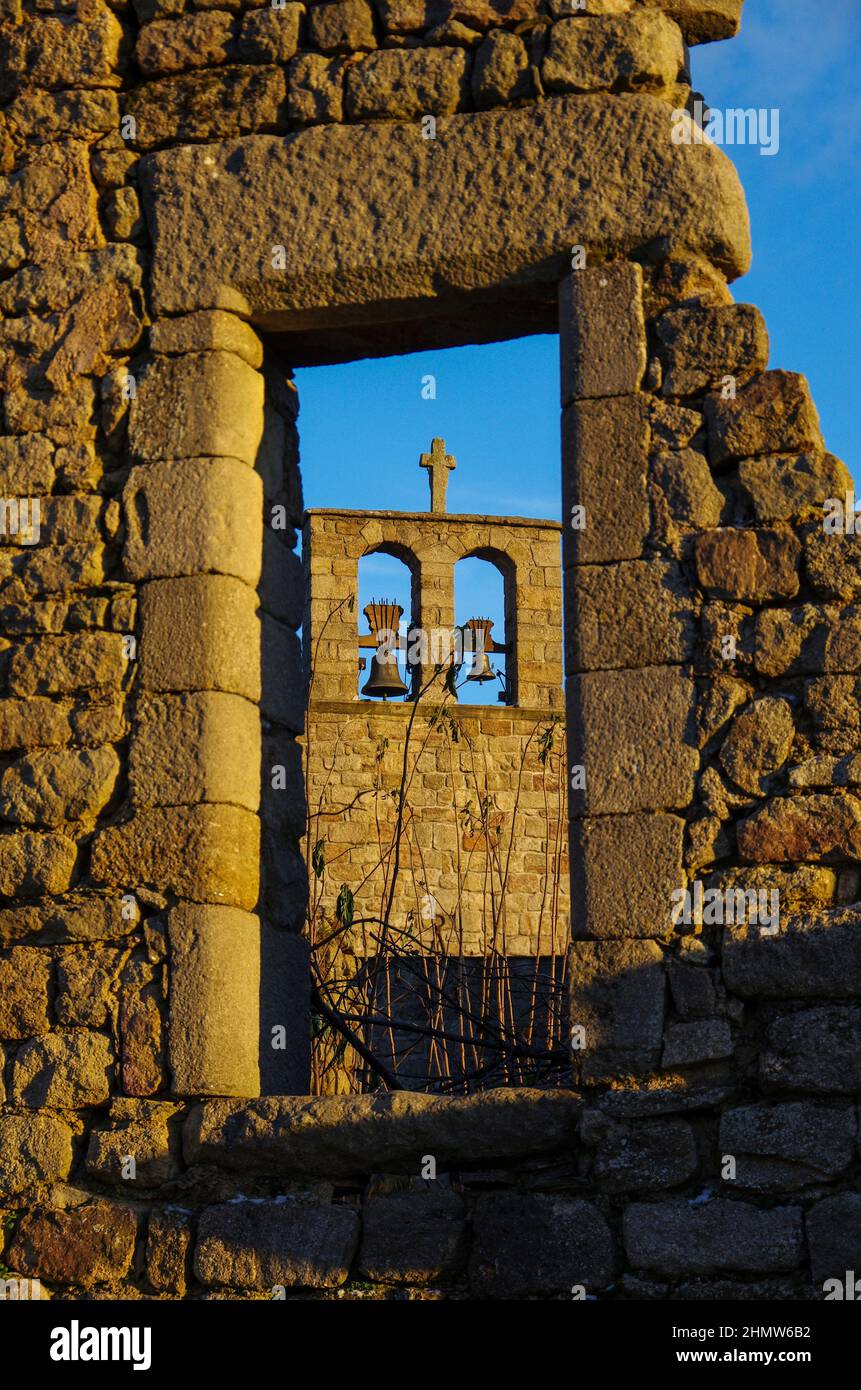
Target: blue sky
364 424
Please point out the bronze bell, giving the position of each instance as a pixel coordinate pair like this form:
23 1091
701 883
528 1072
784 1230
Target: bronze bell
385 678
481 667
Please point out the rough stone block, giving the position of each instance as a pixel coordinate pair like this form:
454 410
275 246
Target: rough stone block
32 864
341 26
833 562
215 104
214 1001
814 955
316 90
780 1147
297 1244
200 405
413 1237
683 494
634 52
83 50
604 464
817 1050
703 21
220 502
87 1245
26 465
531 1246
624 872
48 788
212 330
168 1247
702 1040
191 41
285 1011
200 633
202 746
773 415
834 1236
34 1149
24 976
139 1130
404 84
501 71
719 1236
788 829
32 723
758 744
602 334
514 217
652 1154
634 613
63 1070
784 487
86 979
207 853
753 565
702 345
270 35
283 676
61 665
633 733
617 998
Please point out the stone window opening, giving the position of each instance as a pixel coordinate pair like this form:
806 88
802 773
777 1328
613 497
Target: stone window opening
484 592
388 611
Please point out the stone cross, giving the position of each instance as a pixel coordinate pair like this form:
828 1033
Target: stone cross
439 464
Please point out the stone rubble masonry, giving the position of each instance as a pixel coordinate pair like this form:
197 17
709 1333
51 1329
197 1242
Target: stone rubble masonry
151 895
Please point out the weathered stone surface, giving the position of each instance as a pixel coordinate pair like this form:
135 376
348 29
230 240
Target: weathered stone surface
833 562
784 487
692 985
834 1236
198 406
652 1154
139 1131
754 565
341 26
33 1149
688 496
87 919
640 52
88 1245
142 1029
32 864
200 633
203 746
403 84
51 787
528 1246
211 330
604 462
24 976
703 21
602 335
632 731
825 771
758 743
61 665
501 71
674 427
718 1236
270 35
790 640
316 89
216 104
701 346
221 503
814 955
347 1136
255 1246
414 1237
63 1070
85 983
817 1050
802 827
206 853
617 999
192 41
635 613
609 854
773 415
778 1147
26 465
168 1249
83 51
214 1035
834 702
516 212
703 1040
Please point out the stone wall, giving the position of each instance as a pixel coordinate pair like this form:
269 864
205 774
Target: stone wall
151 893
